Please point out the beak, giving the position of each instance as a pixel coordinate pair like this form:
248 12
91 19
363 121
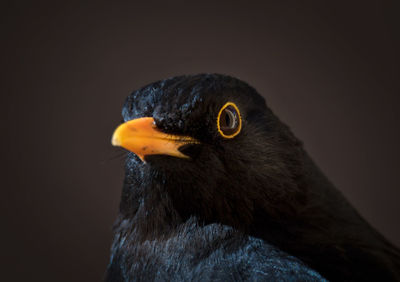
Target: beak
141 137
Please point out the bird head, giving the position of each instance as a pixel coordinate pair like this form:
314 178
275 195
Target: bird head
211 146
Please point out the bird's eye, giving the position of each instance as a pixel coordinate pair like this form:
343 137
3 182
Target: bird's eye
229 121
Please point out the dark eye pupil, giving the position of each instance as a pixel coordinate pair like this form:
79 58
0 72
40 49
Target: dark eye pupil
227 120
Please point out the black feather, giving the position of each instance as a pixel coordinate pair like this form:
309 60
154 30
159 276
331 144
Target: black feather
254 207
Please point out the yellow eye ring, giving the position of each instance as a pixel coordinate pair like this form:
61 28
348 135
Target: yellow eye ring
229 121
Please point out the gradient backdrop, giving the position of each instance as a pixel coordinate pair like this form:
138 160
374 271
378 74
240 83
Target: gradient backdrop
330 71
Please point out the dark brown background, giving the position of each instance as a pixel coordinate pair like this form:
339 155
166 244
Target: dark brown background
331 71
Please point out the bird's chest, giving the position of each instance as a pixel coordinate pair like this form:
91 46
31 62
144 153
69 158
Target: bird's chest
211 253
187 255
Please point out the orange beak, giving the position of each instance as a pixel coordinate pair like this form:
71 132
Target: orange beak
141 137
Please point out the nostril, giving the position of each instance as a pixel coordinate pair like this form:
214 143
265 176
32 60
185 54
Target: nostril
180 123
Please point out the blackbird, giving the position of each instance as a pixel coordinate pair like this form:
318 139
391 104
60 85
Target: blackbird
218 188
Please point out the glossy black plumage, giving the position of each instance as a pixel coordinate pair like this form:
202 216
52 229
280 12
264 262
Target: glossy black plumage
254 207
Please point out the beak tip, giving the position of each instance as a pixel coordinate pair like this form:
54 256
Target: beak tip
115 141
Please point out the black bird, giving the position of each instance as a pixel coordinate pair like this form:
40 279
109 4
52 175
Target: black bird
218 188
